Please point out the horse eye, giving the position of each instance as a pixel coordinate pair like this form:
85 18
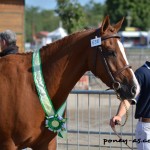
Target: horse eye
110 54
113 54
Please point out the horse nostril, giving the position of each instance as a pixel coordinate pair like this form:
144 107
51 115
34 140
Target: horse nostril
133 90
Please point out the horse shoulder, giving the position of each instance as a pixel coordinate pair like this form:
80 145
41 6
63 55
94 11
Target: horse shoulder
19 100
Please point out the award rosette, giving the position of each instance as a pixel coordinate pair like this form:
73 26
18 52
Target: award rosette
56 123
54 120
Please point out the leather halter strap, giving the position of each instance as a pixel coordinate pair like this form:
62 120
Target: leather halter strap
114 75
110 36
120 70
106 63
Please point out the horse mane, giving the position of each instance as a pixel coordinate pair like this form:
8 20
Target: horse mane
61 42
64 41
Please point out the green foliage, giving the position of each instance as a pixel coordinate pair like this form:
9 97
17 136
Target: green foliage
71 14
94 13
37 20
138 10
75 17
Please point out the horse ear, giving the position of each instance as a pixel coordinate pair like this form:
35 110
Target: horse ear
118 25
105 24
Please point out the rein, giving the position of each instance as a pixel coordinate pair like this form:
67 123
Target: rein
121 125
115 84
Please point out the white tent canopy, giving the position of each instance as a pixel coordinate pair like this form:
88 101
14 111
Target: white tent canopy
57 34
54 35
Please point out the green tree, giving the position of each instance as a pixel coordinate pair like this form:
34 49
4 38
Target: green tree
94 13
39 20
50 21
136 13
71 14
30 16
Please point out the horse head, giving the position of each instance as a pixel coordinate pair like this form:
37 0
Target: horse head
111 64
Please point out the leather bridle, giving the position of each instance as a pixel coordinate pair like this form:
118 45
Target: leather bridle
115 84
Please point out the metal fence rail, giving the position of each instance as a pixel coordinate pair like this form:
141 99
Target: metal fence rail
88 114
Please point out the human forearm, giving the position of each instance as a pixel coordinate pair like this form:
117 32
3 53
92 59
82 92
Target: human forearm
123 107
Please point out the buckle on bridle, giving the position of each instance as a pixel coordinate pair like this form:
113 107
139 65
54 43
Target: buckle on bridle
116 86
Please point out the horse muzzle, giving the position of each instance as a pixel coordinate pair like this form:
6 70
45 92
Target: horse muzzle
124 91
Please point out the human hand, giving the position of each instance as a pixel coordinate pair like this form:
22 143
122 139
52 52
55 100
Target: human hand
116 120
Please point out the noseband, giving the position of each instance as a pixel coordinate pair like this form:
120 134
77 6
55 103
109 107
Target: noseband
115 84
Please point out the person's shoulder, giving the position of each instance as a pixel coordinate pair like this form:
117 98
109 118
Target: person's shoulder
140 69
140 72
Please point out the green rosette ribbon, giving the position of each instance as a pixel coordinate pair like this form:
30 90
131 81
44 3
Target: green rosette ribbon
56 123
54 120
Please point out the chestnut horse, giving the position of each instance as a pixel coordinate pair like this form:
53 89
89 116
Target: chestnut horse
22 119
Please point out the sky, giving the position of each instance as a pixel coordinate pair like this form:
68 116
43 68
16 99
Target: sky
51 4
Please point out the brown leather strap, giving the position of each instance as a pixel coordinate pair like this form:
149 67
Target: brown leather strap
114 129
120 70
121 125
146 120
100 49
110 36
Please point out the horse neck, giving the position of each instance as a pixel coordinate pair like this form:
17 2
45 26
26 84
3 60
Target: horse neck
63 64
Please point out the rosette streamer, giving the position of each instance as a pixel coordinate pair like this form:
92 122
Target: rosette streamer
54 119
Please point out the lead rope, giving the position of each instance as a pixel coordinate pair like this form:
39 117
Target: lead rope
121 125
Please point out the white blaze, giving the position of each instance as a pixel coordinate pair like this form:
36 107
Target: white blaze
123 51
125 58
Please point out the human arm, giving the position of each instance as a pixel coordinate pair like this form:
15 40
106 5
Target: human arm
123 107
